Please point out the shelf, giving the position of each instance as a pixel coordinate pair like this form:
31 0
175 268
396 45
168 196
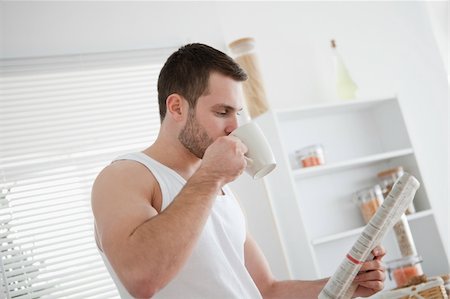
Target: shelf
340 166
327 108
357 231
361 138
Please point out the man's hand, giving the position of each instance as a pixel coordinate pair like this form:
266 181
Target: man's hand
224 159
370 278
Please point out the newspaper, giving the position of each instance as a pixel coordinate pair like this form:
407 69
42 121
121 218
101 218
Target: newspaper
339 286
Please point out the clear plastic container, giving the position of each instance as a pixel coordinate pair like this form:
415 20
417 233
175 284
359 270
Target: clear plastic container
310 156
368 201
404 269
387 179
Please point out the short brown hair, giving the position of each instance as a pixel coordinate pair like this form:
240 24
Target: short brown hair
186 72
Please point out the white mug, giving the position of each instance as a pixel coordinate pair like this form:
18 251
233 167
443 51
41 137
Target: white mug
260 159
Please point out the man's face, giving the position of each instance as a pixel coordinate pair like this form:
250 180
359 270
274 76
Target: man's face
215 114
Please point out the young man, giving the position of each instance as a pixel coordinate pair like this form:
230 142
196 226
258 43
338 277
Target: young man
166 223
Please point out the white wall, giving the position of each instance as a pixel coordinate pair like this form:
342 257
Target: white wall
388 47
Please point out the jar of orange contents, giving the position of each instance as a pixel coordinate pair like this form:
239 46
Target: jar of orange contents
404 269
387 180
310 156
368 201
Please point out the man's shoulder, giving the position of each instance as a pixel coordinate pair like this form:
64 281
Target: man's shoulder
122 170
125 174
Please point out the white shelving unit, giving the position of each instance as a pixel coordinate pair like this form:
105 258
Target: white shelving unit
316 217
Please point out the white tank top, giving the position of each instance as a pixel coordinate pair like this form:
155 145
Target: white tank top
216 267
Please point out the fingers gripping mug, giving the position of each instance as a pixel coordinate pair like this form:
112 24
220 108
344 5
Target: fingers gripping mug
260 160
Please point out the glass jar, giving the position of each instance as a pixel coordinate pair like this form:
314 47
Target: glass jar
404 269
387 180
310 156
368 201
404 237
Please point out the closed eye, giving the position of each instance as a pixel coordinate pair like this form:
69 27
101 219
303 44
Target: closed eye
222 110
221 113
226 113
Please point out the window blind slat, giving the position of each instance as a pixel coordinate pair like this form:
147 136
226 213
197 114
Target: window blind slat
39 248
43 289
14 165
87 92
116 117
62 219
64 142
34 236
67 276
43 255
83 99
14 118
93 268
119 122
67 289
62 82
88 294
56 273
53 263
154 53
98 276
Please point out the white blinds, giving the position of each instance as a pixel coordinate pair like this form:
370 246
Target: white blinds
62 119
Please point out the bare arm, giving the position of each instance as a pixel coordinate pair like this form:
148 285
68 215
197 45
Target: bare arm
370 279
147 248
268 285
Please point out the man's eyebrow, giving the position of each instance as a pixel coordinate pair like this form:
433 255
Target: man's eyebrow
219 106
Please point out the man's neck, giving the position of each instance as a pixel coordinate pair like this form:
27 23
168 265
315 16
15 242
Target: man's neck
174 155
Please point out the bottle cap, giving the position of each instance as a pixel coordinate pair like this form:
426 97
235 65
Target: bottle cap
242 46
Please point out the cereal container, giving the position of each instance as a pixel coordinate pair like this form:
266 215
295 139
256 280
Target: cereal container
387 179
310 156
404 269
368 201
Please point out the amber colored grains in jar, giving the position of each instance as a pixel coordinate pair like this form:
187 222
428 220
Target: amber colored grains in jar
368 200
403 270
403 275
369 208
311 161
387 180
310 156
404 237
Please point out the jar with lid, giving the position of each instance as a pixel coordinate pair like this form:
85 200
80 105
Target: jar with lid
387 180
404 269
310 156
368 201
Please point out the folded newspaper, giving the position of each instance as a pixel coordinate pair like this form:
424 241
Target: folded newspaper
339 286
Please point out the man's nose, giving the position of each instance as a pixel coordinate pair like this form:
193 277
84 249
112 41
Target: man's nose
231 125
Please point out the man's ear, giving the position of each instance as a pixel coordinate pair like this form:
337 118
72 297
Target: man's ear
176 106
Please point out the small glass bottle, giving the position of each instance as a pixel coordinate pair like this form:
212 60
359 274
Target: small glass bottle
310 156
404 269
387 179
368 201
345 86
